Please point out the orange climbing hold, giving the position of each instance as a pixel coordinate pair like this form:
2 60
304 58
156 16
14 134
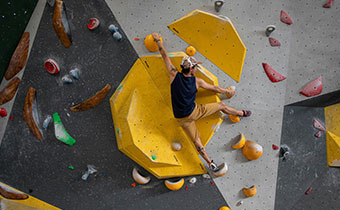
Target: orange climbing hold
234 118
273 75
274 42
191 51
284 17
313 88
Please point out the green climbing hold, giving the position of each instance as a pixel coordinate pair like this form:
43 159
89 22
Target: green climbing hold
118 130
60 131
71 167
154 157
120 87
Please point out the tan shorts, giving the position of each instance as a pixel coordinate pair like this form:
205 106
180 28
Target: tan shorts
200 111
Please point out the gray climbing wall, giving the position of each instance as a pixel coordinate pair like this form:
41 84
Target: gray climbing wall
255 92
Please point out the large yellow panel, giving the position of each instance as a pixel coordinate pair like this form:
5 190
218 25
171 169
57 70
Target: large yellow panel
30 203
332 121
333 149
144 123
214 37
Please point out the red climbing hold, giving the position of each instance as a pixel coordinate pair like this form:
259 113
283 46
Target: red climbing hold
11 117
136 38
285 18
212 183
313 88
317 125
186 187
275 147
308 191
3 112
328 4
133 184
274 42
94 23
273 75
318 134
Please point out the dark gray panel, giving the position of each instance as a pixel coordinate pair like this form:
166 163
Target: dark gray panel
306 165
41 167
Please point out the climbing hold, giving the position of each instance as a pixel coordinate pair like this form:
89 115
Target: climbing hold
318 125
154 157
139 178
133 184
60 132
11 117
284 152
93 101
94 23
275 147
328 4
313 88
218 5
3 112
30 113
270 29
8 193
249 192
67 79
150 43
212 183
75 73
71 167
176 185
186 187
285 18
113 28
273 75
47 121
137 39
309 190
9 90
234 118
19 57
176 146
206 176
90 170
224 208
239 203
61 24
191 51
251 150
193 180
318 134
51 66
230 91
117 36
223 169
240 143
274 42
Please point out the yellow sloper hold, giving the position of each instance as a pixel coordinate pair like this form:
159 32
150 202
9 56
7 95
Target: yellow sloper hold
333 149
144 123
30 203
214 37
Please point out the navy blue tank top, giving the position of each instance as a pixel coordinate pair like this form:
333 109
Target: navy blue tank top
183 95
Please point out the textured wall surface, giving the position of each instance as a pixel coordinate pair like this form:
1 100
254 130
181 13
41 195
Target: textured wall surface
309 48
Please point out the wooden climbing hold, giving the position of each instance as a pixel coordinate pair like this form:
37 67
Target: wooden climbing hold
274 42
284 17
273 75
